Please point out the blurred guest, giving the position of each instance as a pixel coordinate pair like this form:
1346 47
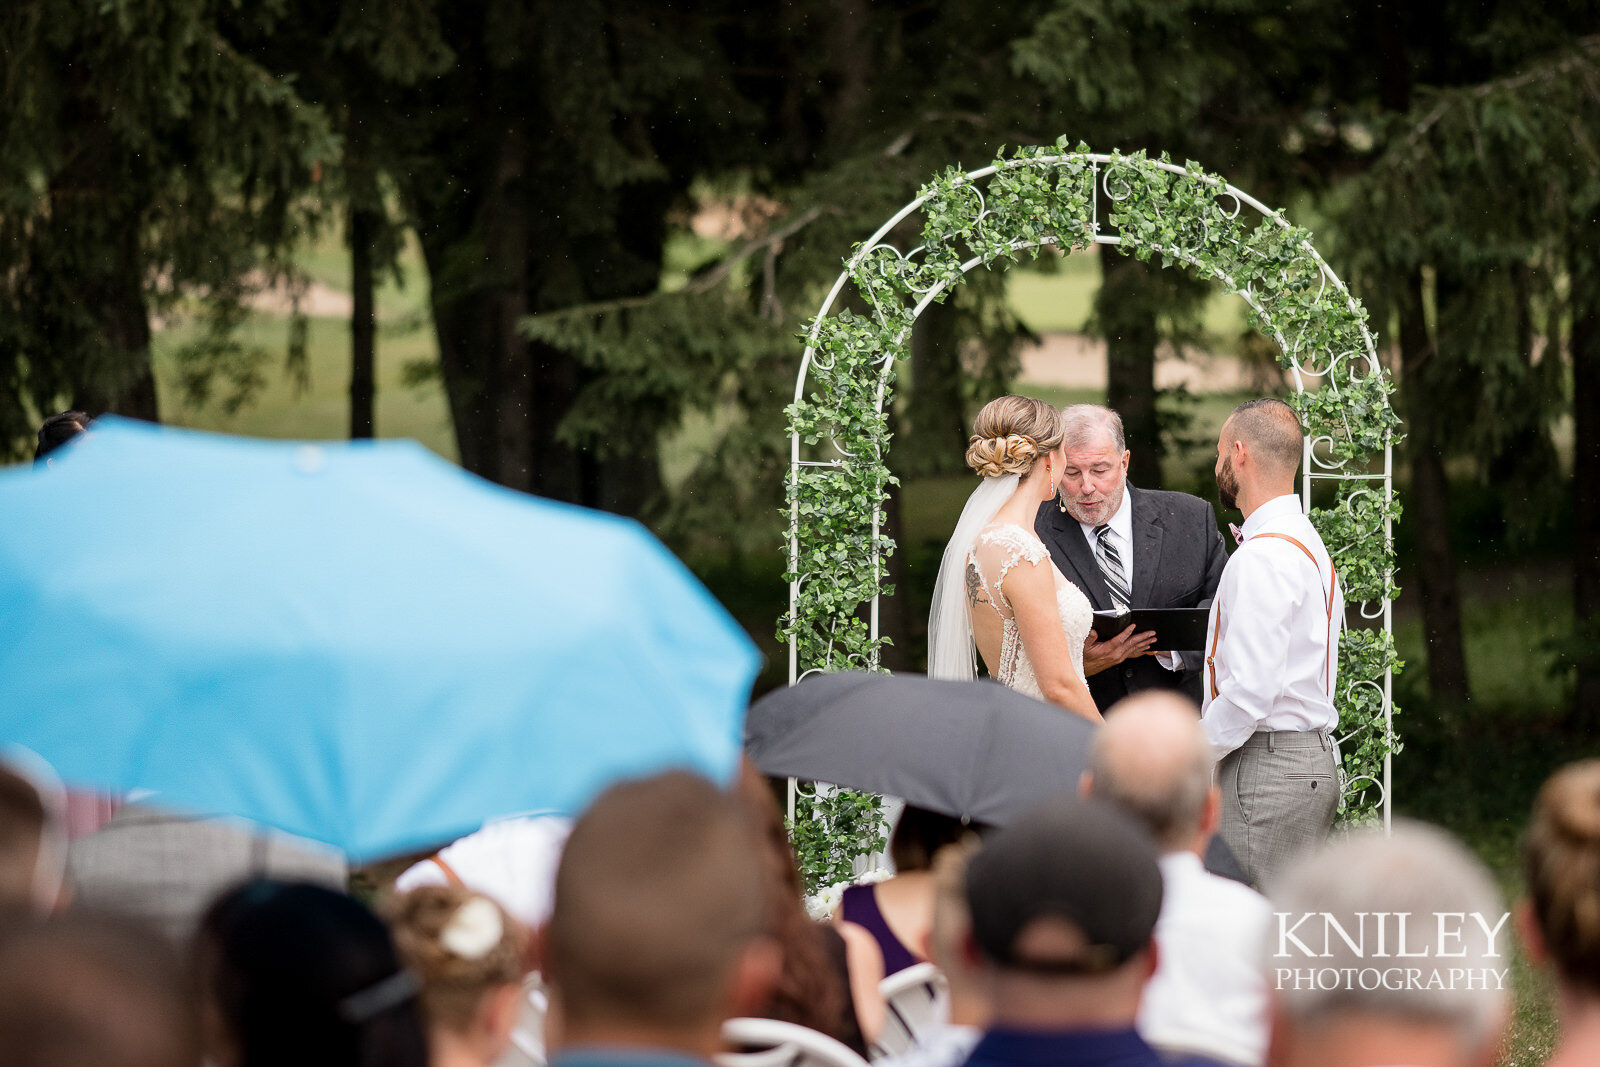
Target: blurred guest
468 954
658 933
950 1044
298 974
78 990
1560 920
898 912
513 861
1064 904
1209 994
33 844
1345 1003
164 869
56 431
830 974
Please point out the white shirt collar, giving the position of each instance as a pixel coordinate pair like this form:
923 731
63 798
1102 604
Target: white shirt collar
1181 860
1121 523
1276 508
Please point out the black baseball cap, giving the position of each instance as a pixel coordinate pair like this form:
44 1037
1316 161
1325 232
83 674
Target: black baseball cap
1078 860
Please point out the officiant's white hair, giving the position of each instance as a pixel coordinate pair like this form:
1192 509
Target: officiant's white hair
1082 423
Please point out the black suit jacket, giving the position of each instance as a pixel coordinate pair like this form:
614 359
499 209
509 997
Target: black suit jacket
1177 563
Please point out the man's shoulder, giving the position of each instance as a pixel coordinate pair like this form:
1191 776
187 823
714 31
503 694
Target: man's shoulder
1211 898
1168 503
1287 537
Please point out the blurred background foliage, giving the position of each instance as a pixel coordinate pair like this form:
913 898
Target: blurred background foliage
569 246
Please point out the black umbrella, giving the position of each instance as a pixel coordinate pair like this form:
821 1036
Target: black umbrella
972 749
969 749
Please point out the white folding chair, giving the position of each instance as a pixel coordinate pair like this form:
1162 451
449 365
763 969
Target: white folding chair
917 998
527 1037
780 1044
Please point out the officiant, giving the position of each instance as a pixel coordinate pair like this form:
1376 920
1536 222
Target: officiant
1129 548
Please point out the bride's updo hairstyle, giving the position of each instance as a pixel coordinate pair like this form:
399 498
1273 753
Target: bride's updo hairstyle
1011 433
462 945
1561 859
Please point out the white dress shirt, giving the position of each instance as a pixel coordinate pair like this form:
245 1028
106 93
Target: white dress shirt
512 861
1272 642
1122 536
1208 996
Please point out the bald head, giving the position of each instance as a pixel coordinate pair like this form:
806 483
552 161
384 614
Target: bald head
1271 431
1152 760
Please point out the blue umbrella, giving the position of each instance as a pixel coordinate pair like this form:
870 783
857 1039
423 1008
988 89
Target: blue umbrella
358 643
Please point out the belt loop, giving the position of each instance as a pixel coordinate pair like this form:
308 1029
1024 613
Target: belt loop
1271 747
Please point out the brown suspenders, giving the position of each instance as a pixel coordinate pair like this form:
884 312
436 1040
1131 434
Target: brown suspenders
1327 660
449 872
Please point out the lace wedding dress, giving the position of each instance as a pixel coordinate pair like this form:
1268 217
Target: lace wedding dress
998 548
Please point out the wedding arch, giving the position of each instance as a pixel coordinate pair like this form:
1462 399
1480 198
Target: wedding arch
1065 198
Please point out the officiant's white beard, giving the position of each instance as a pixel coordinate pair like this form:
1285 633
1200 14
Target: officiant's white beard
1102 512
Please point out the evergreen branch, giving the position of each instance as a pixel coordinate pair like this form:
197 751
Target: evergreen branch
1584 57
702 283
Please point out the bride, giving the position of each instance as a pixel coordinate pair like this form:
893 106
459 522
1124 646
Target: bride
998 589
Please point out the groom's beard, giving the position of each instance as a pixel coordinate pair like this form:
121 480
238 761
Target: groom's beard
1228 485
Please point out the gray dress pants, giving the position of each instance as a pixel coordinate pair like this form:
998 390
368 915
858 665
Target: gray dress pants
1280 790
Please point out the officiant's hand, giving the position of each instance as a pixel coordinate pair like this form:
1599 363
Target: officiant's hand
1100 655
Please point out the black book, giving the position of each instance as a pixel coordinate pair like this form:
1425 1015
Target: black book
1177 629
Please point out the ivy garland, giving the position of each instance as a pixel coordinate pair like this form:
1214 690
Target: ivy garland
1048 196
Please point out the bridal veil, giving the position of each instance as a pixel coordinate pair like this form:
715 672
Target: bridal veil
951 651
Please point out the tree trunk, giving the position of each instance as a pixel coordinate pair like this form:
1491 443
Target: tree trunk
1584 268
503 228
1127 316
116 374
476 247
363 323
1428 509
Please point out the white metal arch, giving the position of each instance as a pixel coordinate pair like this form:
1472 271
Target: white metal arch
1103 180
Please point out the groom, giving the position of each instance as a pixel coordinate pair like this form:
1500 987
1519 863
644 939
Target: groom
1129 547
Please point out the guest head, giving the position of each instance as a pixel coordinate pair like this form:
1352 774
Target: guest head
57 430
658 931
82 989
296 973
950 933
1017 435
921 834
808 989
33 840
1560 920
467 953
1095 476
1152 760
1064 904
1258 453
1366 881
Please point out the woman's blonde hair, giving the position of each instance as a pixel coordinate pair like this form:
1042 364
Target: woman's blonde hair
460 944
1561 859
1011 433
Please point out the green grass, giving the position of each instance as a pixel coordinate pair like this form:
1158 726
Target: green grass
322 411
326 261
1476 770
1062 300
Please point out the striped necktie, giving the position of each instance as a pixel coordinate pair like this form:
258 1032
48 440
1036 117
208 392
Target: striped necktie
1110 561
